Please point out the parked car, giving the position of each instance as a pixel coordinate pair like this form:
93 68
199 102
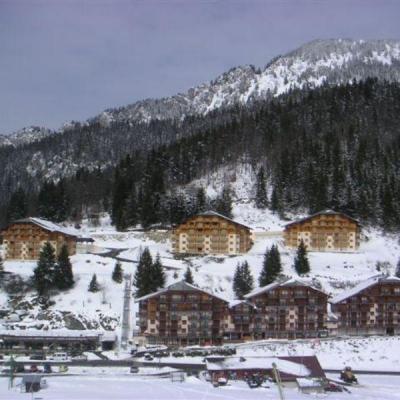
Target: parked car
222 381
37 356
47 369
80 357
60 357
148 357
160 353
134 369
34 368
178 354
19 368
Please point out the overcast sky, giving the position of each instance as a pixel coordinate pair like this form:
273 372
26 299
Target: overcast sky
64 60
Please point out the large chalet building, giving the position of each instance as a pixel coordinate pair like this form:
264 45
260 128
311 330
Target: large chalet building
23 239
211 233
324 231
182 314
288 309
372 307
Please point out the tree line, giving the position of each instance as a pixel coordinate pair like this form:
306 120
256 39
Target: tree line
331 147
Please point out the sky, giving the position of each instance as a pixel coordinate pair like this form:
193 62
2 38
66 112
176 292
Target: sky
63 60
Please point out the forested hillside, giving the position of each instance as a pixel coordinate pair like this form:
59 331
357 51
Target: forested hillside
335 147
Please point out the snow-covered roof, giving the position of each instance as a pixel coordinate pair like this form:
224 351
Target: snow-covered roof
178 286
53 333
324 212
50 226
288 283
211 213
364 285
263 363
309 382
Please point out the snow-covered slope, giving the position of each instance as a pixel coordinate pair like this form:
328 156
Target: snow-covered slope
78 308
334 61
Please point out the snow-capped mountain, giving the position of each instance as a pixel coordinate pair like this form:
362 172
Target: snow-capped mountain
334 62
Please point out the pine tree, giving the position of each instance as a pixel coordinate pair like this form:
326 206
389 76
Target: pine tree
157 275
275 200
131 212
301 263
63 275
1 268
117 275
272 266
243 281
17 206
93 285
142 275
224 203
397 272
188 277
261 191
43 274
201 202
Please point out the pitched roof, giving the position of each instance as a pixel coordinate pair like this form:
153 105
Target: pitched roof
211 213
287 283
178 286
289 366
323 212
264 363
364 285
49 226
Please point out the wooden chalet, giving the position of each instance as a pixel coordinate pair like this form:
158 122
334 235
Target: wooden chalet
211 233
182 314
324 231
23 239
372 307
290 309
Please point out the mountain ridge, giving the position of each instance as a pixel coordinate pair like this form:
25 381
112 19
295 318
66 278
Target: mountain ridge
321 61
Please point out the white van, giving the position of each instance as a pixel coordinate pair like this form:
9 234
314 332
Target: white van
60 357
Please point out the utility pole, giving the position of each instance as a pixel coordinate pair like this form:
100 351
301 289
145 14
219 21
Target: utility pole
278 381
126 312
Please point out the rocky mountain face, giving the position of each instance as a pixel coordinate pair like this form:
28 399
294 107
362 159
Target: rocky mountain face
25 136
332 62
319 62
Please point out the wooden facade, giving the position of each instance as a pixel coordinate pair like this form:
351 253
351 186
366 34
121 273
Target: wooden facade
24 239
182 314
211 233
291 309
372 307
324 231
239 321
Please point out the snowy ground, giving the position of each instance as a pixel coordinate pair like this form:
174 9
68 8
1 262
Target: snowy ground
119 387
368 354
333 271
